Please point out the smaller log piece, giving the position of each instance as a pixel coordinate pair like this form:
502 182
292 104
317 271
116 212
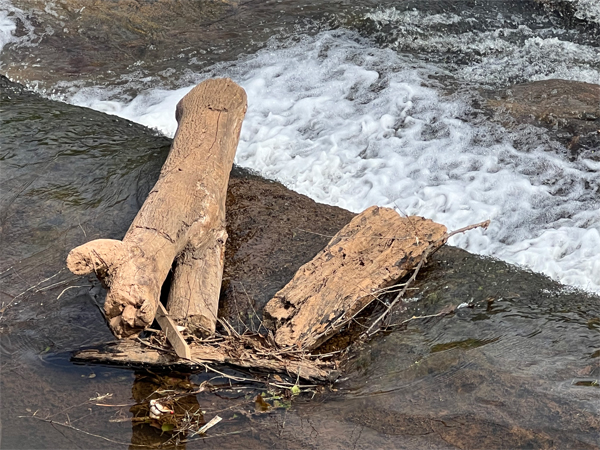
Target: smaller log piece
375 250
182 219
243 351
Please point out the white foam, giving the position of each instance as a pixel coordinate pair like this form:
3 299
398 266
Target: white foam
353 125
588 10
502 56
154 108
537 59
7 25
412 18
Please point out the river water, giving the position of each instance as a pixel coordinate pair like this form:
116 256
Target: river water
384 110
352 104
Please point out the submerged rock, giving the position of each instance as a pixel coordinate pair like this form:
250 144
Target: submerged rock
570 109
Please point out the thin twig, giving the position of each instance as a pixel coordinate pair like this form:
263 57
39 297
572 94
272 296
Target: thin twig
430 250
52 286
237 308
27 290
441 313
252 306
231 377
70 287
228 328
152 346
66 425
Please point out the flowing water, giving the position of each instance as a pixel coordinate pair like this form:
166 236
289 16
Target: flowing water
361 115
352 104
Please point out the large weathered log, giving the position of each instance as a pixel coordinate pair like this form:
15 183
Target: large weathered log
183 219
372 252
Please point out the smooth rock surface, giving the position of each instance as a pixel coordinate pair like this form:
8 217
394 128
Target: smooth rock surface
570 109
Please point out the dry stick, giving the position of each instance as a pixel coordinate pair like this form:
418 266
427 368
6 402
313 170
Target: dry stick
254 310
30 289
431 249
150 345
442 313
231 377
234 378
52 422
66 425
238 310
185 441
52 286
228 328
70 287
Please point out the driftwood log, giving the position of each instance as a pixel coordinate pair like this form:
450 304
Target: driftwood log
371 253
182 222
182 226
246 352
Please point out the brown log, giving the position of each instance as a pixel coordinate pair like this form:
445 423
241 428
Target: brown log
243 351
183 219
372 252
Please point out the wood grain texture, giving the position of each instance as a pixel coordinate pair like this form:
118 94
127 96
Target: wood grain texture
182 219
372 252
245 351
173 335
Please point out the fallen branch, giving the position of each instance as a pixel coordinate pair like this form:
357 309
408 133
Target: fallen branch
244 351
369 255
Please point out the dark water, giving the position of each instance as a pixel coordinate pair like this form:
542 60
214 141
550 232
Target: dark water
518 367
154 44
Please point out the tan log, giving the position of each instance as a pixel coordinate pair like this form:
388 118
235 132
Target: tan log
372 252
183 219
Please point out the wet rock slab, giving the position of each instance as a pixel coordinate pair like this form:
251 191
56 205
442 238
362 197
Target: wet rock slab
570 109
93 41
501 372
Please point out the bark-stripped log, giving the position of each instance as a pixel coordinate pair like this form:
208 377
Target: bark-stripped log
183 219
372 252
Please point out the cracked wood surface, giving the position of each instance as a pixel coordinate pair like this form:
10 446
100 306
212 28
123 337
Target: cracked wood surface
375 250
182 220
